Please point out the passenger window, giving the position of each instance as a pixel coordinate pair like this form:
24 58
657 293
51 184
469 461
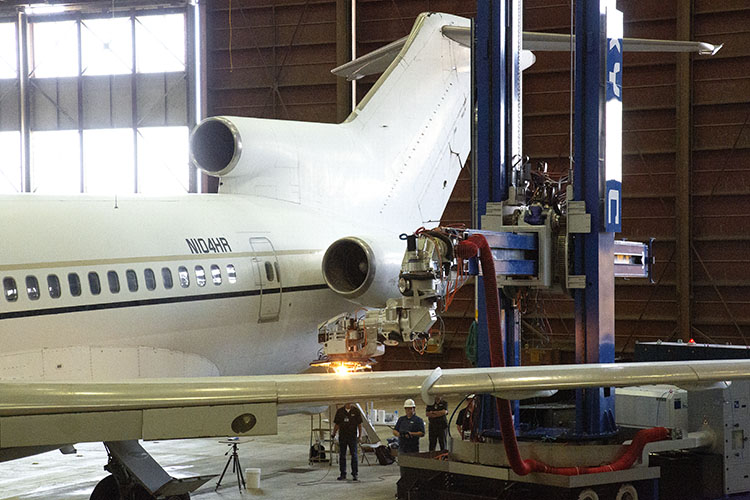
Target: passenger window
94 284
166 277
32 287
231 273
278 273
132 280
216 274
148 275
269 271
114 281
11 291
200 276
53 285
184 276
74 283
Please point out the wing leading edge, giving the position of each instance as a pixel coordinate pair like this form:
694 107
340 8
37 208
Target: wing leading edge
42 414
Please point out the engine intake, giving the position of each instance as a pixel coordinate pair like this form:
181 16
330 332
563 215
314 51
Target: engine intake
215 146
349 267
362 270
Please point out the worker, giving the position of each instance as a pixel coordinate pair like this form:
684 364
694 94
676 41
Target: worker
464 420
436 414
409 428
348 420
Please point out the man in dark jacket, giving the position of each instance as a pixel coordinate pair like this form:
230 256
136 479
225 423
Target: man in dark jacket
348 421
465 418
409 429
436 413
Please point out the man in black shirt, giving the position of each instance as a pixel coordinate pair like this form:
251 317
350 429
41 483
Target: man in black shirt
409 429
348 420
465 419
436 413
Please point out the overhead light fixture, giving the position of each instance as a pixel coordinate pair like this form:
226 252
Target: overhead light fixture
43 9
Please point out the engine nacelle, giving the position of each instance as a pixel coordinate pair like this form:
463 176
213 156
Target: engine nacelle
361 271
216 146
230 147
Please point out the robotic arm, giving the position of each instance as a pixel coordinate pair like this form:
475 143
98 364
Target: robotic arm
351 340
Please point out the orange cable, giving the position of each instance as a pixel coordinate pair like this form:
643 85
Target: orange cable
231 65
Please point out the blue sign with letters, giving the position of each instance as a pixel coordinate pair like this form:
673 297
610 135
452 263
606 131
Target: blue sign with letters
613 207
613 127
614 69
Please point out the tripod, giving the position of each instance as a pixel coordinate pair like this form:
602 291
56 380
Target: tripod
234 459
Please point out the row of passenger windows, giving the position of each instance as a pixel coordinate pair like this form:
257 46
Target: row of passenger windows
112 281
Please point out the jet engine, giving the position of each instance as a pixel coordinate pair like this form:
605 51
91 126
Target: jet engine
362 272
215 146
232 147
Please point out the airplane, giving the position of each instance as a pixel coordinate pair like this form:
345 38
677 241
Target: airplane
98 288
157 291
105 288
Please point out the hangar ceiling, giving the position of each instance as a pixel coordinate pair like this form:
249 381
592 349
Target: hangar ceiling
686 145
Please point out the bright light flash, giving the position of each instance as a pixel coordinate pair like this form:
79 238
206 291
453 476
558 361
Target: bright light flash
342 369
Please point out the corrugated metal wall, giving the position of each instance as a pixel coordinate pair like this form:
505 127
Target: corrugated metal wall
686 143
279 60
685 185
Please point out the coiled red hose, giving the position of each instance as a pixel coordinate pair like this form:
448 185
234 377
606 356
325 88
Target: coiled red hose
467 249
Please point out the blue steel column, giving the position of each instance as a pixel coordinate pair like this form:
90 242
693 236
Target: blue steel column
489 89
493 89
593 251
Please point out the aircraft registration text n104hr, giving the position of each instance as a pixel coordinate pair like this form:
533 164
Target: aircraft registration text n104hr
208 245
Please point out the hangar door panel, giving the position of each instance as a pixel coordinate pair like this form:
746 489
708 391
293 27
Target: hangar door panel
267 278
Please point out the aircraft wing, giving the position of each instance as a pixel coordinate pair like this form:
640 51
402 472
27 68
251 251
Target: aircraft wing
378 60
37 414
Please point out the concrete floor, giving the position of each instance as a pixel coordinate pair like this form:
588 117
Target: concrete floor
283 460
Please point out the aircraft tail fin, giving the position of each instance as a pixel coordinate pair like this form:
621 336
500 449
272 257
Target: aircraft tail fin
396 158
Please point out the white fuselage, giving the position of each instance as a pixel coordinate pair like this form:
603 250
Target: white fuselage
260 318
69 265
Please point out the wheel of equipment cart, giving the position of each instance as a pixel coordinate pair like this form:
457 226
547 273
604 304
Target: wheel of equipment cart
588 494
106 489
627 492
140 493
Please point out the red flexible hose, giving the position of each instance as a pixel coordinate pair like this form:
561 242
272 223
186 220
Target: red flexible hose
468 249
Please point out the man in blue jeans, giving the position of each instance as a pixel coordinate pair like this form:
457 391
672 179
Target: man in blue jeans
348 421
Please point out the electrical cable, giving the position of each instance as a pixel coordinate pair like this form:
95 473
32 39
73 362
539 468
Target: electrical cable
470 347
316 481
454 413
231 65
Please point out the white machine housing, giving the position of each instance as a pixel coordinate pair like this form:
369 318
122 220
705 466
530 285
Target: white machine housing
652 406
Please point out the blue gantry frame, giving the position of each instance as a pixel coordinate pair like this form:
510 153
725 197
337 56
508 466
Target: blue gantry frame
494 98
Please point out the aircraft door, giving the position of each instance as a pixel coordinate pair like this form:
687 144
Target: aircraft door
267 278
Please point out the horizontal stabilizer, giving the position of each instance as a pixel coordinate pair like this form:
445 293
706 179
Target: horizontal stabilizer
556 42
378 60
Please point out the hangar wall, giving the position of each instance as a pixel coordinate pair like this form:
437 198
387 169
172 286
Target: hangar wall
279 60
685 169
686 145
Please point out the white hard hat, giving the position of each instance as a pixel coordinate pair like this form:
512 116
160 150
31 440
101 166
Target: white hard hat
409 403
